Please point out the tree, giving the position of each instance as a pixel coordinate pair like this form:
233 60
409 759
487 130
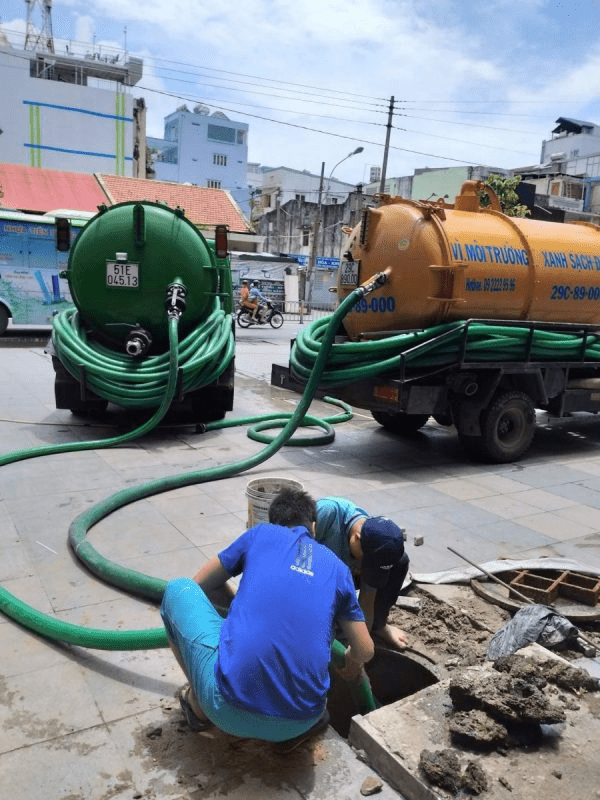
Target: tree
505 189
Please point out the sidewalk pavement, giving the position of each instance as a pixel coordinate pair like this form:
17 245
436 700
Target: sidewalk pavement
92 724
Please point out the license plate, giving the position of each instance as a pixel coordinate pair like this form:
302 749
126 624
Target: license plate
349 273
122 273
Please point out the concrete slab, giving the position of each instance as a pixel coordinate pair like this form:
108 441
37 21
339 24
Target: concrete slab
563 763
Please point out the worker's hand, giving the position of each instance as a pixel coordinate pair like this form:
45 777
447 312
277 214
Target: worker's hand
352 671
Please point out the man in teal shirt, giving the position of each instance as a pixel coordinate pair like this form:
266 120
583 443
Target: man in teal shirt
373 548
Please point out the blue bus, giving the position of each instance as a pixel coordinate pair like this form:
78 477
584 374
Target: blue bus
32 256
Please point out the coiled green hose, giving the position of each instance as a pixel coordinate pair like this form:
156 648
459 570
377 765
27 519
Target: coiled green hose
436 346
203 355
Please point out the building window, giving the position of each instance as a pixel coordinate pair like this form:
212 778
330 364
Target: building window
305 238
213 184
241 137
301 198
219 133
219 159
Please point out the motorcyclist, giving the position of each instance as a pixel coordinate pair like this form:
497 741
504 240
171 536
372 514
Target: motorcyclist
254 297
245 301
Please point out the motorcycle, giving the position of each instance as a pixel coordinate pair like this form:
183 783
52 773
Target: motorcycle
264 315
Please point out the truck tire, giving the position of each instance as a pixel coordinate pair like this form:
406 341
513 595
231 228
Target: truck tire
400 422
507 429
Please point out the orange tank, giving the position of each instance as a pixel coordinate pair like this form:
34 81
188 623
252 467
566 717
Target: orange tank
451 262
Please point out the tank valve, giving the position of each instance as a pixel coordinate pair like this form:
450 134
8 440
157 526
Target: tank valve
175 302
138 342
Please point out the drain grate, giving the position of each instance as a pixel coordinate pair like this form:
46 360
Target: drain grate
542 589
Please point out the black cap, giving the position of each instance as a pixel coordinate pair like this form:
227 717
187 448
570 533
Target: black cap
382 543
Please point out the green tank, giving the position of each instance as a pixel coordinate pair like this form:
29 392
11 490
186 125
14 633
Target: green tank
122 263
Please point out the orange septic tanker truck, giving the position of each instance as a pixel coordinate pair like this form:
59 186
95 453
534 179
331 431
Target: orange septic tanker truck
482 318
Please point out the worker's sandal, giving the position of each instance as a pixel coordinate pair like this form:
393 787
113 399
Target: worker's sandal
194 723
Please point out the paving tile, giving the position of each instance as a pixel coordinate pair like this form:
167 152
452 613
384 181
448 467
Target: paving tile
461 488
205 531
539 498
510 537
84 764
14 561
29 590
177 563
24 651
577 493
498 484
29 713
464 515
548 474
504 505
136 529
550 524
581 515
584 549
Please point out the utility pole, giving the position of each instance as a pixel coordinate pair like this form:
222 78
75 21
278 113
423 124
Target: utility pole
278 218
387 146
313 245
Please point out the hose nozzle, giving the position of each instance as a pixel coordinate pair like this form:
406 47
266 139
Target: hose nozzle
376 281
138 342
175 302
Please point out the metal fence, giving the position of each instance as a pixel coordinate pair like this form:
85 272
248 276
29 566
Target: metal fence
307 312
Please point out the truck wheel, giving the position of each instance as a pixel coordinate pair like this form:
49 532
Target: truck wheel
400 422
507 429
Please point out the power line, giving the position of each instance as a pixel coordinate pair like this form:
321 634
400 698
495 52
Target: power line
221 107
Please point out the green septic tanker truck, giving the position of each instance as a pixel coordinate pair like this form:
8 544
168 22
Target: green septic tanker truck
480 319
131 266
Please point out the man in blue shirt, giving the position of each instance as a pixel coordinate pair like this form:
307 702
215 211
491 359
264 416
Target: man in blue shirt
262 672
254 297
373 547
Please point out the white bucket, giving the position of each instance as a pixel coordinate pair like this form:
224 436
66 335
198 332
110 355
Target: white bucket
261 493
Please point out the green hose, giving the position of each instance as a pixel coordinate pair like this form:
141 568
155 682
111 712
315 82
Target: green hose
437 346
97 444
203 355
139 583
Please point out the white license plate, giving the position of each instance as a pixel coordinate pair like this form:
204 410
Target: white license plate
349 273
122 273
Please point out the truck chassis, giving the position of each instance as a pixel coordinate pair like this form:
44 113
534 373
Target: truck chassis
491 403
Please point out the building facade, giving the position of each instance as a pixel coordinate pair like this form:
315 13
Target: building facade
68 112
203 149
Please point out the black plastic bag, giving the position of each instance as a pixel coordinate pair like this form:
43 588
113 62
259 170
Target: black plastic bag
532 623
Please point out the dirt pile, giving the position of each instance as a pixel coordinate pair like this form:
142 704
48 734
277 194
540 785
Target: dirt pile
452 637
500 710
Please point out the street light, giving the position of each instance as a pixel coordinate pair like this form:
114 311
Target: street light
313 250
353 153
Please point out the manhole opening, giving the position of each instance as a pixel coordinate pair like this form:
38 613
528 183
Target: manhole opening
393 676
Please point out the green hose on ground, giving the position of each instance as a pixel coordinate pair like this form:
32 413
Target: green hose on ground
139 583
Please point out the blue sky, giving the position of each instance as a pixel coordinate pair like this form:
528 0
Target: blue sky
474 82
